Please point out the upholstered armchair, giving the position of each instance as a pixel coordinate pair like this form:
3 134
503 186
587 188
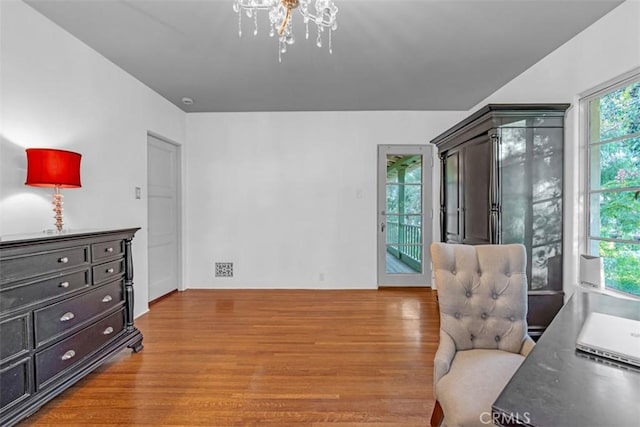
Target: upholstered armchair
482 294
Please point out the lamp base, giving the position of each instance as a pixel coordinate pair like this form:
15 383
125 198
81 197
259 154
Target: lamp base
57 208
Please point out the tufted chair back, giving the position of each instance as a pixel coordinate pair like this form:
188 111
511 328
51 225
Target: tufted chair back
482 293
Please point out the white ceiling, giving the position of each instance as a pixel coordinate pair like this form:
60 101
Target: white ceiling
387 54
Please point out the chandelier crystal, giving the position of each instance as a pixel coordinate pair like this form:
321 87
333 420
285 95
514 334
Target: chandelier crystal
323 14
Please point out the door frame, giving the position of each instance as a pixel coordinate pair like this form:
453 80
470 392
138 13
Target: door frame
403 280
179 208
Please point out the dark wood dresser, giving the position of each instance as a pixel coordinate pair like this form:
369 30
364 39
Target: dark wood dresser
66 306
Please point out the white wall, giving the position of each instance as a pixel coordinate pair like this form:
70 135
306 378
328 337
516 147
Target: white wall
57 92
277 194
608 48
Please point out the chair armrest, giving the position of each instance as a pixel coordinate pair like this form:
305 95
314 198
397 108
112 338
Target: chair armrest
527 345
444 355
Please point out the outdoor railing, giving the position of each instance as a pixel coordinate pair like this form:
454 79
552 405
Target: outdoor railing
405 243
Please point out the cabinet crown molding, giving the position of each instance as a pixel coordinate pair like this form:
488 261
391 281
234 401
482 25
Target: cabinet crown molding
492 116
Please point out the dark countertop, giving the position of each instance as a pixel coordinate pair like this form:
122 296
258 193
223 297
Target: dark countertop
559 386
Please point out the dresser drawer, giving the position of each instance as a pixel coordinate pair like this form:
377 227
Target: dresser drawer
36 292
108 271
37 264
15 333
16 383
72 350
100 251
57 319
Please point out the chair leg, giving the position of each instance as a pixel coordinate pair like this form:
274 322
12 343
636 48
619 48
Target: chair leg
437 415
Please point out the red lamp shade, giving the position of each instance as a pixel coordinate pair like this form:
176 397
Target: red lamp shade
47 167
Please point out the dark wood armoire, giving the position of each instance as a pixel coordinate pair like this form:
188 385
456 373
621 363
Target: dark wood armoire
502 182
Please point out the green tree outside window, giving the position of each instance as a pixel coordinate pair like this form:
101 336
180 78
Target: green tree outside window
614 185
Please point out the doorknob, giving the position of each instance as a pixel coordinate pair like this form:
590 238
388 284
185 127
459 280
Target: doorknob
382 227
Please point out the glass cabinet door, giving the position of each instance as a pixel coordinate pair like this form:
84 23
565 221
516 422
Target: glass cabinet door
530 165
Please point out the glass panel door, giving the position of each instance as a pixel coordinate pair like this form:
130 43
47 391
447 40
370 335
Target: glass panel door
530 174
403 200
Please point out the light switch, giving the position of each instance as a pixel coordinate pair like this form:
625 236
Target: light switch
138 190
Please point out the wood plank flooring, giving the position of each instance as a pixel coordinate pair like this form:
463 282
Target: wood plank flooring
394 265
267 358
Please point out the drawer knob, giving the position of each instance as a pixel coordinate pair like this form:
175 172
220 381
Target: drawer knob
67 316
68 355
109 250
64 284
107 331
110 270
107 298
63 260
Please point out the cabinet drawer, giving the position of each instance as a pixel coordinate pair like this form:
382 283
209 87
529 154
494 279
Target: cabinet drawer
542 308
37 264
100 251
16 383
72 350
64 316
35 292
15 334
108 271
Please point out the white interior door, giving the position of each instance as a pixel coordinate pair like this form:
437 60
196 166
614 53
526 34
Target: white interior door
404 215
163 210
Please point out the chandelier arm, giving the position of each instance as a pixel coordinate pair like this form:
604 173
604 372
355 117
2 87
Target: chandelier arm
317 18
313 18
247 4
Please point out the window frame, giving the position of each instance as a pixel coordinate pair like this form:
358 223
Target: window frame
585 99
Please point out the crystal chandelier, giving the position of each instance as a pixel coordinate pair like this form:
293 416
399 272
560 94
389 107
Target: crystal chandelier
323 15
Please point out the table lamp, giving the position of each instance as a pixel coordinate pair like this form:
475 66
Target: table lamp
48 167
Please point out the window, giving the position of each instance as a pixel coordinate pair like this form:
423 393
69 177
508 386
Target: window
613 193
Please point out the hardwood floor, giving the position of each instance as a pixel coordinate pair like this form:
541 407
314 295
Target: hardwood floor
267 358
